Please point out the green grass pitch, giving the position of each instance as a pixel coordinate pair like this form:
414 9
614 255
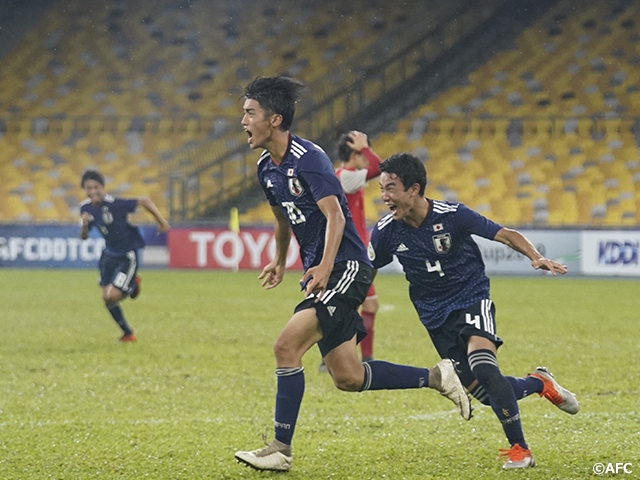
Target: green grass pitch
199 384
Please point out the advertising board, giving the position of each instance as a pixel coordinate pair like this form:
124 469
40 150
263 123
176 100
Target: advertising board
221 248
610 252
59 246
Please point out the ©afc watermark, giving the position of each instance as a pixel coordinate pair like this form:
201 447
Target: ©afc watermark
618 467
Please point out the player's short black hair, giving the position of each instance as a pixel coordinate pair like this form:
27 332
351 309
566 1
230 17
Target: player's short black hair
344 150
92 175
408 168
276 95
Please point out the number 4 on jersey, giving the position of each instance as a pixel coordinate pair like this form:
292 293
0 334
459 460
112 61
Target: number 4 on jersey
435 267
475 320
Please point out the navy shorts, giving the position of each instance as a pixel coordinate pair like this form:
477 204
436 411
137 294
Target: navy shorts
451 338
337 309
118 271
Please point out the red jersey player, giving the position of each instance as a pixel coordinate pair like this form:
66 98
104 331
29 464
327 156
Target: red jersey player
360 164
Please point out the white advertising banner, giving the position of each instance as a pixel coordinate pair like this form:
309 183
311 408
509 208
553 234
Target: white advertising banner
561 246
610 252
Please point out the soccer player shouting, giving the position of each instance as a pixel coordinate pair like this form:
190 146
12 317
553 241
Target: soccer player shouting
119 260
450 291
306 197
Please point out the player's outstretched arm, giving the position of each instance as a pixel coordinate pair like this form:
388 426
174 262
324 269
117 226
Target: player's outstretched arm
273 273
163 225
520 243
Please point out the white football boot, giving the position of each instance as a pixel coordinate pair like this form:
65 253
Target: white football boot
443 378
276 456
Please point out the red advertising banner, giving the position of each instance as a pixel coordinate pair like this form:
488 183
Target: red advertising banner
217 248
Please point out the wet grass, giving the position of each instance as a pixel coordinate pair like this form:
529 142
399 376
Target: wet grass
199 384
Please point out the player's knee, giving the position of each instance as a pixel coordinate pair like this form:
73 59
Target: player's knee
376 305
484 367
348 382
285 351
487 375
371 305
111 295
279 348
111 298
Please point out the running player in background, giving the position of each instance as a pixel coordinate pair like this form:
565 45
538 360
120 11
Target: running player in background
306 198
119 260
450 291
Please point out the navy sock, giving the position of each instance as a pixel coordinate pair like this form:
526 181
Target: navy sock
288 400
484 366
523 387
380 375
118 316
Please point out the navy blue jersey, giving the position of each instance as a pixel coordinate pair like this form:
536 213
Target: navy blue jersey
441 261
305 176
111 220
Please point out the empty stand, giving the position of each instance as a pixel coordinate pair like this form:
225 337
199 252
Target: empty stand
113 68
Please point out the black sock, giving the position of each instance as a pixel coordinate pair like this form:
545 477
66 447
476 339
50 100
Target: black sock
484 366
118 316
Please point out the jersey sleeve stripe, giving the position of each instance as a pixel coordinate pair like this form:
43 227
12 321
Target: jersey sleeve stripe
297 152
298 146
263 155
384 221
440 207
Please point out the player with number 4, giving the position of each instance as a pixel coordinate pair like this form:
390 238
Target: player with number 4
450 291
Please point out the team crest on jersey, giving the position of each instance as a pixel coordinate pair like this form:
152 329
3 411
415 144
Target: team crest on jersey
371 252
107 217
295 187
442 243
